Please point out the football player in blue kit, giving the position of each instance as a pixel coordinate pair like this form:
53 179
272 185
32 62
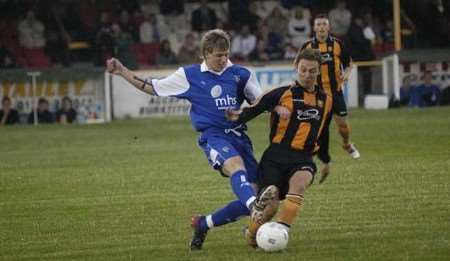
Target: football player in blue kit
213 87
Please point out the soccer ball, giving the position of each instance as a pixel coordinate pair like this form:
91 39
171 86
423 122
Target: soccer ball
272 237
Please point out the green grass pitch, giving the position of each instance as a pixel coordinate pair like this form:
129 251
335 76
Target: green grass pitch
126 191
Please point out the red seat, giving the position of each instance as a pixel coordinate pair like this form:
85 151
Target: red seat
35 57
146 53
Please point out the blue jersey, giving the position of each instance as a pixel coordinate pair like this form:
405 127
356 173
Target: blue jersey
210 93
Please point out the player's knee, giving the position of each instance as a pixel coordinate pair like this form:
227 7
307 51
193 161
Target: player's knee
299 182
232 165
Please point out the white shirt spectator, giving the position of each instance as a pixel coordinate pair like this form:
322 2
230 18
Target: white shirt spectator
31 32
244 43
340 19
299 28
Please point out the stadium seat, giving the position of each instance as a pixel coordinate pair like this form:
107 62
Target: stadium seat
146 53
35 57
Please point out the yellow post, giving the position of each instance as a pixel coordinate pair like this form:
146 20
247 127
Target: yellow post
397 27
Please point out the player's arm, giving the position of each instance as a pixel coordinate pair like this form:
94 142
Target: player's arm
267 101
114 66
346 63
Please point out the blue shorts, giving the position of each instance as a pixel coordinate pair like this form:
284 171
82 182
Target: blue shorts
219 146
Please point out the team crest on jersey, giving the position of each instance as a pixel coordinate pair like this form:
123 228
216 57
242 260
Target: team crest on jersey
226 149
237 78
330 49
216 91
320 103
326 57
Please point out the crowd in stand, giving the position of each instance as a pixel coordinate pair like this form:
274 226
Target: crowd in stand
39 33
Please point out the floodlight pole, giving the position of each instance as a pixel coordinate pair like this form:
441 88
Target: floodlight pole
34 76
397 26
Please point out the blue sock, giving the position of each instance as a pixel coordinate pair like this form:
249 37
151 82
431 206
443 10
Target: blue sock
230 213
242 188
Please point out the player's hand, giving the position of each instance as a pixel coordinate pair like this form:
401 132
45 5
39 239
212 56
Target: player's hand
232 115
114 66
283 112
324 172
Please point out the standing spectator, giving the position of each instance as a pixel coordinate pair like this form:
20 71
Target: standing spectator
203 18
31 32
340 19
6 58
43 113
299 27
429 93
166 56
8 115
122 46
67 114
189 51
243 44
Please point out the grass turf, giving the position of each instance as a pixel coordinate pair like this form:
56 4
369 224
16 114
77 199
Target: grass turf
126 191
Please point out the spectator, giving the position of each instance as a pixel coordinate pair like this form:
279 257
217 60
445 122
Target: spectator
340 19
189 51
290 52
273 42
252 19
359 41
104 40
260 53
122 46
429 93
406 91
166 56
31 32
299 27
243 44
203 18
149 31
43 113
67 114
238 11
8 115
172 7
277 22
126 26
6 58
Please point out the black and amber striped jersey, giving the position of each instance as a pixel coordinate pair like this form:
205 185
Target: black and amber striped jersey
301 130
335 59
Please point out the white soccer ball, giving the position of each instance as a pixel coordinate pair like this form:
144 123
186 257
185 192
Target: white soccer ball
272 237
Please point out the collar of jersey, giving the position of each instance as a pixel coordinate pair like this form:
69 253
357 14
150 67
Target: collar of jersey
204 68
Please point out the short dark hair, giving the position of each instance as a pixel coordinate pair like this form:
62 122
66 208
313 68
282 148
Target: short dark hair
321 16
308 54
5 98
214 39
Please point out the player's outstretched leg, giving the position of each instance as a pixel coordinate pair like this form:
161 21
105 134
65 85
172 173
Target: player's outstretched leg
201 224
263 209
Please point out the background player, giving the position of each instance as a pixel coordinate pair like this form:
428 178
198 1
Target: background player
335 70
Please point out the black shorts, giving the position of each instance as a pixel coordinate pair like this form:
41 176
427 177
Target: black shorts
339 106
272 171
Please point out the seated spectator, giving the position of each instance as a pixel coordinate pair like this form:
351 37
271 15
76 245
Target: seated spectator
6 58
243 44
189 51
8 115
290 52
429 93
43 113
203 18
66 114
340 19
277 22
149 31
299 28
273 42
406 91
104 41
166 56
127 26
260 53
31 32
122 46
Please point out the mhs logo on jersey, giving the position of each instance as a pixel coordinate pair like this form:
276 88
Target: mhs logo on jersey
222 103
308 114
